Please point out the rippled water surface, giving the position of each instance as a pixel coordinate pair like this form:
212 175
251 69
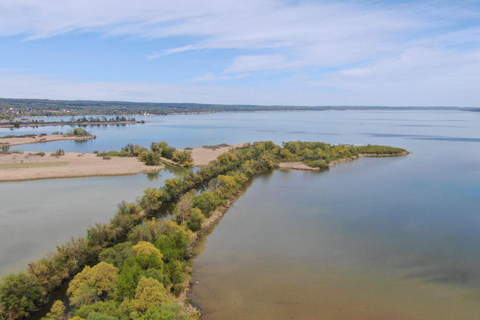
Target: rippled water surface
389 238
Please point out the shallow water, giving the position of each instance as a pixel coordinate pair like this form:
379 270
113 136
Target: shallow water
339 245
35 216
390 238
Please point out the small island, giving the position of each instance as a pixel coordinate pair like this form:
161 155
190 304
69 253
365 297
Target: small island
77 134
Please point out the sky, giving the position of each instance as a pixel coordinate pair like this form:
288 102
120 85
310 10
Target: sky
264 52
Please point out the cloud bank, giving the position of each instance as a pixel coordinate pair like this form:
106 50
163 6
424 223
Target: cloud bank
309 52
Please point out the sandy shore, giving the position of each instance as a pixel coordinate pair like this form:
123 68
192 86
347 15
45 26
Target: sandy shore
202 156
42 139
296 166
22 167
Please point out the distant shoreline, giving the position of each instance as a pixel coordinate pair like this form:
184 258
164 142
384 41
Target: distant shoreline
59 123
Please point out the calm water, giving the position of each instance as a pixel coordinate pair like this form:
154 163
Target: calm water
35 216
392 238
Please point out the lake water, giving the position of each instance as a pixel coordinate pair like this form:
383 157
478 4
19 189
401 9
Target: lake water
35 216
390 238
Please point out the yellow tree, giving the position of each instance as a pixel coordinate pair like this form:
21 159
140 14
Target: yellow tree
57 311
93 284
146 248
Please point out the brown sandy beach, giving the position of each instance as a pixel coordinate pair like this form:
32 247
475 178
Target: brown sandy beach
27 166
42 139
202 156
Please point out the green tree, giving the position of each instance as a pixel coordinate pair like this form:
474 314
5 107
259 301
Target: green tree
147 249
100 316
151 200
57 311
20 294
117 254
93 284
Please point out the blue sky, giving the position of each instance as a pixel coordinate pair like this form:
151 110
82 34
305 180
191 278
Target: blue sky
274 52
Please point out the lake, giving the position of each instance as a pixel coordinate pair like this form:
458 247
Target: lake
389 238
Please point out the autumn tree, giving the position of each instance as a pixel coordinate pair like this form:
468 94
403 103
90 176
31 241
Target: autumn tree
20 294
93 284
57 311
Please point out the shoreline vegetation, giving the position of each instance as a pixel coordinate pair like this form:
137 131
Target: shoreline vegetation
80 122
136 266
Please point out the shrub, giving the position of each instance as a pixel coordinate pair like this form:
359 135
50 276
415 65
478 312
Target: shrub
58 153
321 164
20 294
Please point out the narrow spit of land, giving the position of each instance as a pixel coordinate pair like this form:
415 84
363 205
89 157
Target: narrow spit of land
17 141
140 265
33 166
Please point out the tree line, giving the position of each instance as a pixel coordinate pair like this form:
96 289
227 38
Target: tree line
136 267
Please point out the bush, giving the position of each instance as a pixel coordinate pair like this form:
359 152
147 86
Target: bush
20 294
58 153
321 164
80 132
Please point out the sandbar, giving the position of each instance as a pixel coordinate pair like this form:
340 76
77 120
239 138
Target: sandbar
28 166
42 139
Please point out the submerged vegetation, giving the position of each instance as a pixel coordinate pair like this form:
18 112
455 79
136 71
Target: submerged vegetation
136 267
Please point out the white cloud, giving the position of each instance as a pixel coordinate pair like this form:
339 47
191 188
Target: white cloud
208 77
400 48
260 63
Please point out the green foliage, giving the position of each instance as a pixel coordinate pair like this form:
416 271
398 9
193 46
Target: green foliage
107 308
146 248
165 264
151 200
321 164
183 157
117 254
20 294
207 201
100 316
149 293
150 158
57 311
315 154
80 132
167 311
194 221
175 247
93 284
